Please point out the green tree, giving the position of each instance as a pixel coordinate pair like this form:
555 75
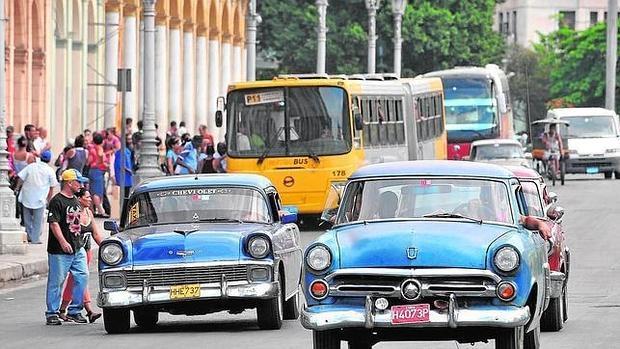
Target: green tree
437 34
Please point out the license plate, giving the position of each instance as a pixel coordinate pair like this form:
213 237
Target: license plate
185 291
409 314
591 170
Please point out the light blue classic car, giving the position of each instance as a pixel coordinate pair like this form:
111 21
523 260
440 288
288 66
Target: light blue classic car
427 250
199 244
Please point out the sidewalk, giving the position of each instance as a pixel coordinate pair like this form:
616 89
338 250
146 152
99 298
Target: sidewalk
33 264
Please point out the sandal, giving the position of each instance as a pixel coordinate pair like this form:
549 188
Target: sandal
92 316
63 316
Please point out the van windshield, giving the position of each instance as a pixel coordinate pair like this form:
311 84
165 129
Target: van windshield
589 127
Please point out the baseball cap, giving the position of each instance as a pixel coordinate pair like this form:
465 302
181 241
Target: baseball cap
73 175
46 156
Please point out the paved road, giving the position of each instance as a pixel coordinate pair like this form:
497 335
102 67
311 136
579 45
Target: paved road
592 206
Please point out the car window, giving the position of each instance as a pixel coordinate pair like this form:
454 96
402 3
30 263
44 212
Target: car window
532 198
183 205
498 151
414 198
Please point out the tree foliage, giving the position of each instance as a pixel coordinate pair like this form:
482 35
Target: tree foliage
436 34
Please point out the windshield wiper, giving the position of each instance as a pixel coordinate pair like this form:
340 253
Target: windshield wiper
311 154
451 215
273 141
226 220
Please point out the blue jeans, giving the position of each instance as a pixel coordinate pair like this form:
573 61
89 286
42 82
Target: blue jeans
33 221
59 267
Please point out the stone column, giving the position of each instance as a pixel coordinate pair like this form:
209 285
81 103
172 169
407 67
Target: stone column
237 52
68 70
372 6
214 78
112 17
226 72
174 51
140 72
201 76
84 66
398 9
11 233
322 35
253 19
161 81
130 59
149 162
188 77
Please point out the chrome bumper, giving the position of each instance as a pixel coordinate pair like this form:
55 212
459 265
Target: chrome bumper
135 296
557 282
326 317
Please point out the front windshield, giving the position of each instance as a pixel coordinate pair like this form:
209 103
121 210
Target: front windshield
295 121
497 151
416 198
589 127
471 109
190 205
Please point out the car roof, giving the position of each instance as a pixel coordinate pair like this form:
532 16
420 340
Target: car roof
432 168
495 141
523 172
223 179
565 112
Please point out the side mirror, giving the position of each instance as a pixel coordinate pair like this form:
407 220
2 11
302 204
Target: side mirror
218 118
288 217
555 213
111 226
359 123
328 217
553 197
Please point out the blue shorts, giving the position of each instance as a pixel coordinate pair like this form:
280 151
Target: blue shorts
97 183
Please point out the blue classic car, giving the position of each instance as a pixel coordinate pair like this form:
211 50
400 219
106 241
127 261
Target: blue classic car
199 244
427 250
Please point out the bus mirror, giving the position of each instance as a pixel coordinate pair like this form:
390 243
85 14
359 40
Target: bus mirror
218 118
501 103
359 123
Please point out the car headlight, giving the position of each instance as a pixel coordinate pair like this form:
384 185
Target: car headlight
111 253
506 259
258 247
319 258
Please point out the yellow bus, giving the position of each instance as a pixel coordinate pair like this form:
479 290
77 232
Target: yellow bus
309 132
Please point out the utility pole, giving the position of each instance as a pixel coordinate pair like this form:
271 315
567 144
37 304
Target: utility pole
398 10
322 35
253 20
371 7
612 54
11 234
149 162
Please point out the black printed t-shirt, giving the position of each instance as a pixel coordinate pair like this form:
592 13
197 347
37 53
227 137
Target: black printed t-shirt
66 212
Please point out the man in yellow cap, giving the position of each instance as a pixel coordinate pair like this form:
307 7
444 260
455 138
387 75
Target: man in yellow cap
65 249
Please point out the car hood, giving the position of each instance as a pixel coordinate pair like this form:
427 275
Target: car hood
593 146
433 243
507 162
208 243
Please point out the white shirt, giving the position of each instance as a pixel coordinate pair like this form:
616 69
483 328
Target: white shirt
243 142
39 144
38 178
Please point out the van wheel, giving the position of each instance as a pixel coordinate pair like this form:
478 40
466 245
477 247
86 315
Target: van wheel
617 174
608 175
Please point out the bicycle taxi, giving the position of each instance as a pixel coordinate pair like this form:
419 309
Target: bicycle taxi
555 169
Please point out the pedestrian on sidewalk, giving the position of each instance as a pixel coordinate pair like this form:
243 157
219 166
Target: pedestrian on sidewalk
98 165
65 250
129 165
36 185
88 228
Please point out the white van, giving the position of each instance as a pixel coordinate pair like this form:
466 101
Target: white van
593 137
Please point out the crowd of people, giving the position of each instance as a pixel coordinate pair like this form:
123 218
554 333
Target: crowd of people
82 172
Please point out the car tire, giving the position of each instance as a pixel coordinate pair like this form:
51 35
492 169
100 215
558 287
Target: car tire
269 312
116 320
617 174
510 338
552 319
325 340
565 302
608 175
531 340
359 345
291 307
145 319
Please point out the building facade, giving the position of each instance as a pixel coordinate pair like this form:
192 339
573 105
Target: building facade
522 21
62 58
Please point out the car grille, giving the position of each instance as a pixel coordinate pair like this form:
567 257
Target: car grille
592 162
188 275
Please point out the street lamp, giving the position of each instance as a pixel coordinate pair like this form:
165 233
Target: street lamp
149 162
371 7
398 10
321 6
253 20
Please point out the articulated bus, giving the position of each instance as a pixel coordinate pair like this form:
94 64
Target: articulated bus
477 106
307 133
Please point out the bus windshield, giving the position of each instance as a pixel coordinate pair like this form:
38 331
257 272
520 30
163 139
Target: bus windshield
288 121
471 109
